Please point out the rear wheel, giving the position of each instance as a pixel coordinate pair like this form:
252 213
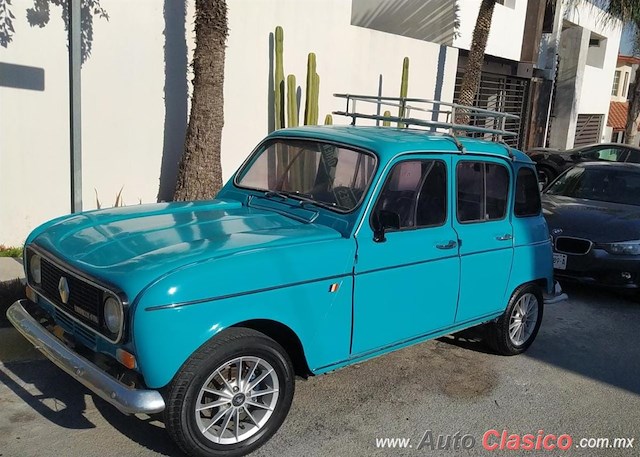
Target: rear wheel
231 396
518 327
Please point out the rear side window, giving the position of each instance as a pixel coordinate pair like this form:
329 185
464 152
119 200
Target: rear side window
527 194
482 191
416 190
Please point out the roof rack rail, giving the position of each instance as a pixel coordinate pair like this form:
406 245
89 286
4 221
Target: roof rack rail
492 122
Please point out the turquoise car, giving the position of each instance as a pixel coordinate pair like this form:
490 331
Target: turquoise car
329 246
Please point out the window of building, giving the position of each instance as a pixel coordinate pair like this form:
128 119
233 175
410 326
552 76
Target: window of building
482 191
616 83
625 86
508 3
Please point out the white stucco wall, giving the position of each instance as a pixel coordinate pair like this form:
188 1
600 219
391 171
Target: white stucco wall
123 106
507 27
593 98
34 132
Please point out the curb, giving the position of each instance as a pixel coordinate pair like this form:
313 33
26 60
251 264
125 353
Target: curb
10 269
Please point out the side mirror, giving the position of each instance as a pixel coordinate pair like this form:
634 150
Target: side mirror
384 220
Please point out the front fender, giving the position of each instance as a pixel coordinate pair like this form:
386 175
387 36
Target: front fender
166 337
291 285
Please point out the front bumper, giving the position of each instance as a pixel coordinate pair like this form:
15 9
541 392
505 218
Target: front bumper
125 398
598 267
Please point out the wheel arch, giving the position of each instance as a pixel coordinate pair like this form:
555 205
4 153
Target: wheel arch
285 337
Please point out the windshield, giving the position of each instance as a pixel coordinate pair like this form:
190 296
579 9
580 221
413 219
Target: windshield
314 172
610 184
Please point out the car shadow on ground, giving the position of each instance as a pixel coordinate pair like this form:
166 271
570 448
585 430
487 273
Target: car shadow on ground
48 391
147 431
593 334
61 400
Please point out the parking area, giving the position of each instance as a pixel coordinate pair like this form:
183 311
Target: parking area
581 378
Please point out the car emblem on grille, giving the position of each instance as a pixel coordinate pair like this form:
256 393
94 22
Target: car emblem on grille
63 288
557 231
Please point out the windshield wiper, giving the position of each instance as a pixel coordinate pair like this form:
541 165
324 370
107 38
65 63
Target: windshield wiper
302 198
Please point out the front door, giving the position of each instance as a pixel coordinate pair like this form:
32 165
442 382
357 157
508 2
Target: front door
484 229
407 285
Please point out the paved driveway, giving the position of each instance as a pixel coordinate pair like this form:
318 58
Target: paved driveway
581 377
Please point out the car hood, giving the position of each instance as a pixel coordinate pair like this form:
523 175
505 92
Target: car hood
133 246
601 222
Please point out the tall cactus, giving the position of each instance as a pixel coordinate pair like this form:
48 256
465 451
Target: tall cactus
328 119
404 86
292 102
279 80
311 98
386 123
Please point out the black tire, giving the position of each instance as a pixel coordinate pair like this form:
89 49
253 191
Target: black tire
546 174
499 337
183 394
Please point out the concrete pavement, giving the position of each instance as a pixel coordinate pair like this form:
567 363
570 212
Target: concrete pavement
580 377
10 268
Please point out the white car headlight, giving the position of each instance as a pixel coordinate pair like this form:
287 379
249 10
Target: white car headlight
113 314
623 248
35 268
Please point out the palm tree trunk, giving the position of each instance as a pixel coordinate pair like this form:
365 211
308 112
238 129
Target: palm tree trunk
200 171
631 128
471 78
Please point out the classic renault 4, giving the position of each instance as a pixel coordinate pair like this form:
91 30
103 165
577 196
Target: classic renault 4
329 246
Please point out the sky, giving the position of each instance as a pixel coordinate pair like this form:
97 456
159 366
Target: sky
626 43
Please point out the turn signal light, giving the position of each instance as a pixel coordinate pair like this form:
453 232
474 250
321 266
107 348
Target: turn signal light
31 294
125 358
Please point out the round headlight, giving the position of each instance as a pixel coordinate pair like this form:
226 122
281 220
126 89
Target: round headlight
112 314
35 268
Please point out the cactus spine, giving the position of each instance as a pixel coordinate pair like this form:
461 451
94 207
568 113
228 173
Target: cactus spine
279 79
328 119
404 85
386 123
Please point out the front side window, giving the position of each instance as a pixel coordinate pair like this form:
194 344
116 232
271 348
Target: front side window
527 194
328 175
416 190
482 191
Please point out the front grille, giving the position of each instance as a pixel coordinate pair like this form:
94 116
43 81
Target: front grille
570 245
85 336
85 300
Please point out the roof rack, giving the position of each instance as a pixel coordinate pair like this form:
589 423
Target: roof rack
492 122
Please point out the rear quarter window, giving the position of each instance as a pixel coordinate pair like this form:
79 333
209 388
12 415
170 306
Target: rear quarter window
527 198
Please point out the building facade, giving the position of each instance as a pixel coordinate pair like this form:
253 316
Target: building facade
136 83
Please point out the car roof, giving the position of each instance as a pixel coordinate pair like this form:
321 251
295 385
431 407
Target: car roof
390 141
607 164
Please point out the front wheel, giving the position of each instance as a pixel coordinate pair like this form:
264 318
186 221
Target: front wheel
231 396
517 328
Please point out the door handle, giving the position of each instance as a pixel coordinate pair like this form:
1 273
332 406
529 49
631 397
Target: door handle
450 245
505 237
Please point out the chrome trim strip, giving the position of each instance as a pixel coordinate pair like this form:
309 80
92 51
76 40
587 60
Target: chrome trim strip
69 270
126 399
240 294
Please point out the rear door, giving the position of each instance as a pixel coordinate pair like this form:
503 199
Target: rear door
482 221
